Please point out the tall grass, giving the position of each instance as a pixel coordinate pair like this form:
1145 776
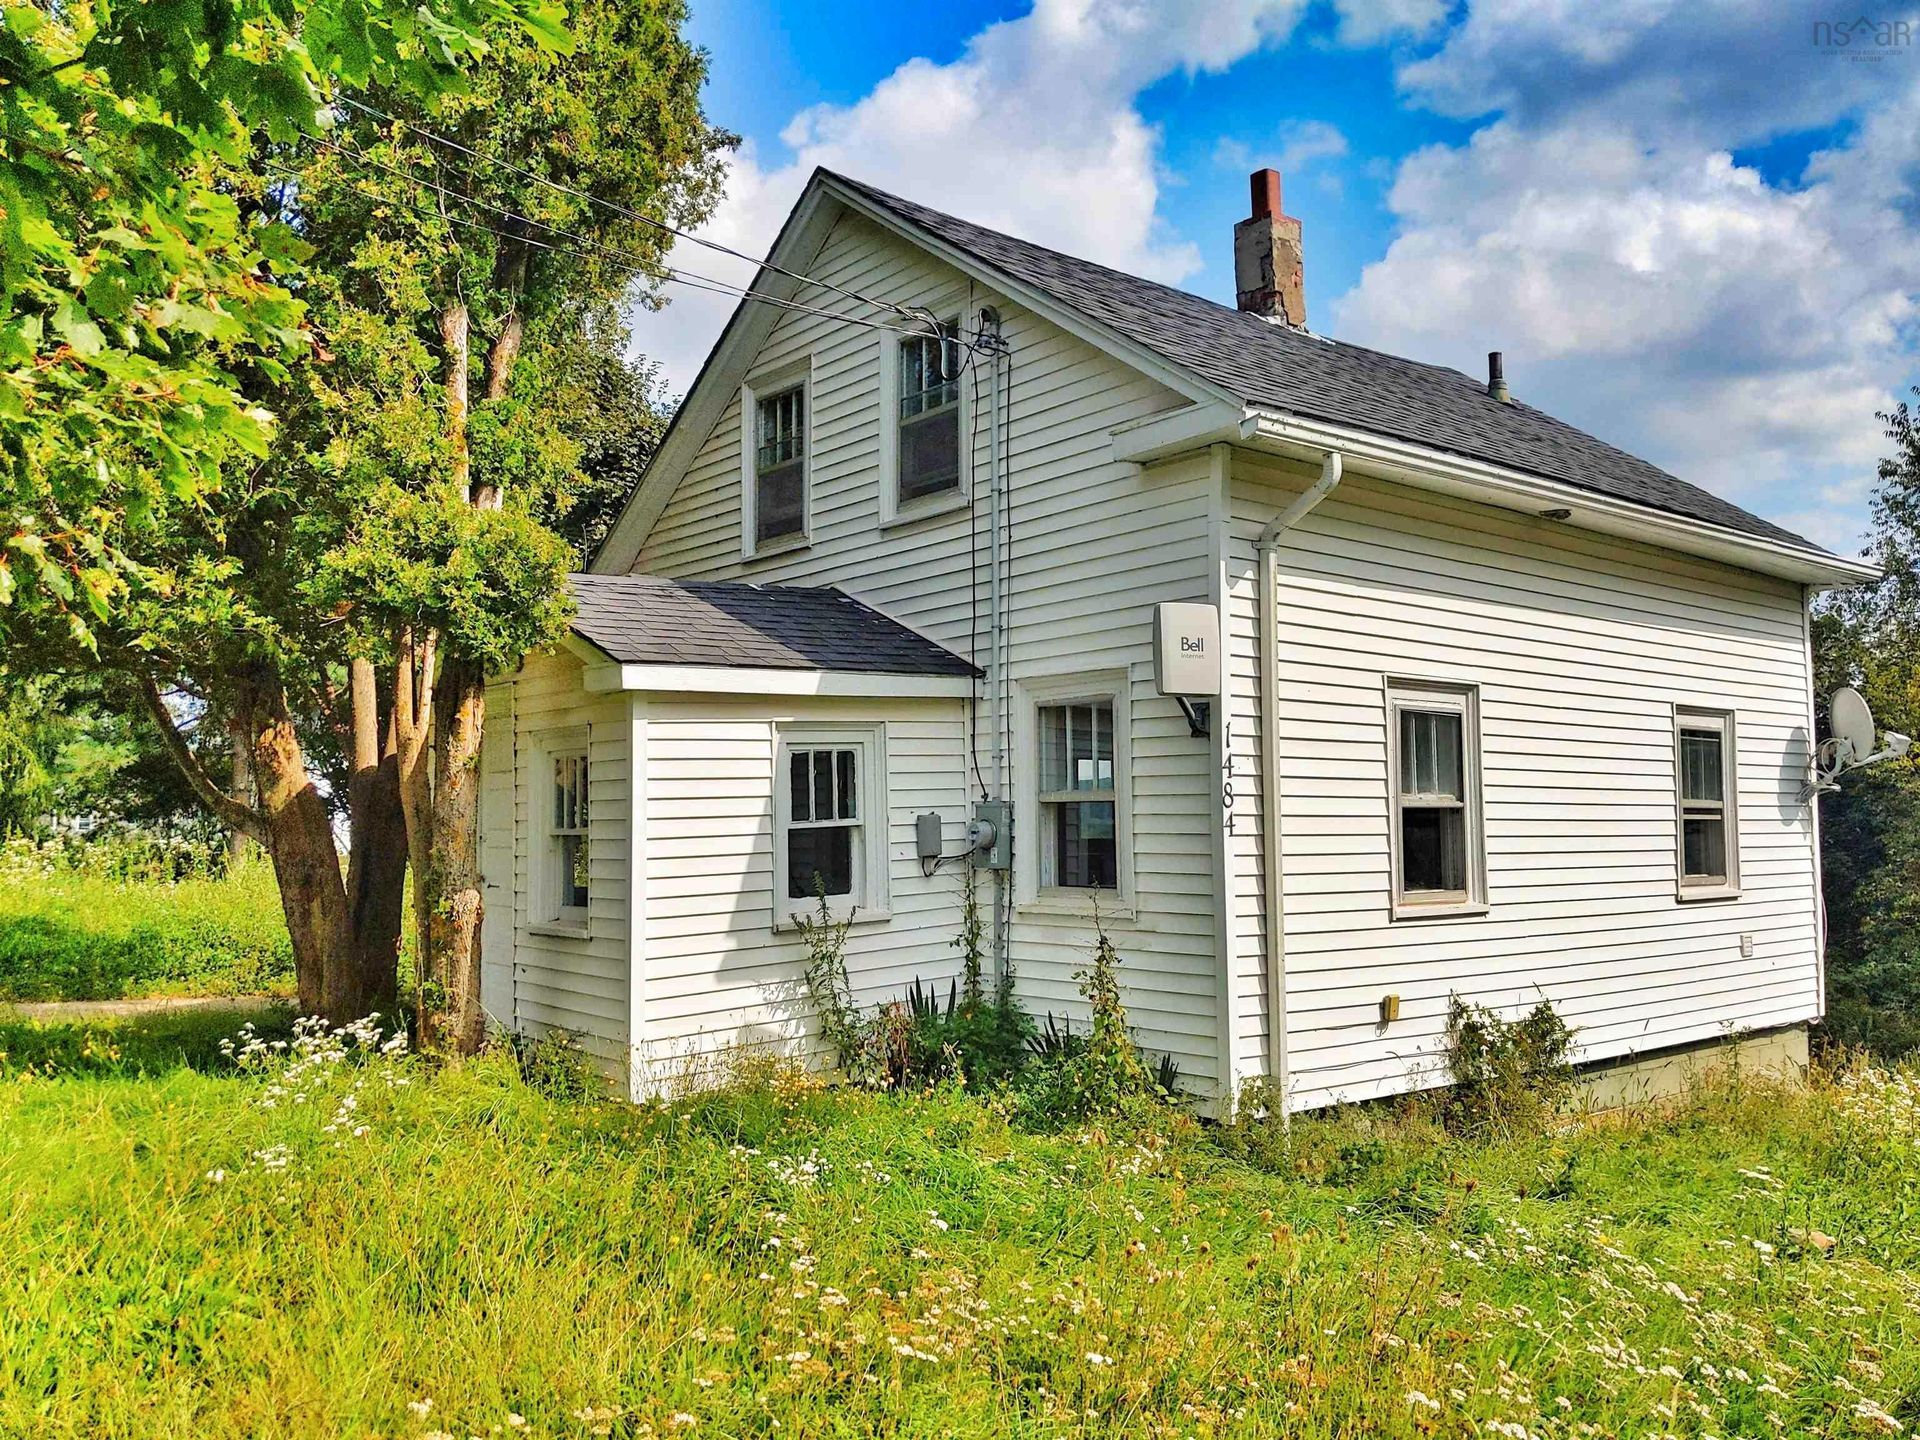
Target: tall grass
70 933
213 1252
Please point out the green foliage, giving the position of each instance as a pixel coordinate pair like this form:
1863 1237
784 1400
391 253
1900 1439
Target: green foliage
136 287
746 1260
1870 827
71 933
1099 1074
1507 1075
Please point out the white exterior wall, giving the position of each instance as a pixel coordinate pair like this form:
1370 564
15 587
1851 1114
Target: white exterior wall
532 981
717 972
1095 545
1581 647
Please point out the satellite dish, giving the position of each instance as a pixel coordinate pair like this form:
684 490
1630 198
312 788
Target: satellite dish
1852 722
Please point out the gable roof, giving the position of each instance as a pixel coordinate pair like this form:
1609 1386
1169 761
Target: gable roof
1276 367
646 620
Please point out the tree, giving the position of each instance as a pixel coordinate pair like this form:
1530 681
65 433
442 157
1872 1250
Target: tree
146 302
511 219
1870 827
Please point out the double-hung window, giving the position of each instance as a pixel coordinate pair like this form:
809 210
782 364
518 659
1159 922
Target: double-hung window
1706 813
1079 812
1433 751
929 414
830 806
780 464
566 875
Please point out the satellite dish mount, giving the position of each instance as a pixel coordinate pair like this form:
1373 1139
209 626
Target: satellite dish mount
1851 746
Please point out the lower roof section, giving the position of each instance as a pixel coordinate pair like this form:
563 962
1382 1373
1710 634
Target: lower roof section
645 620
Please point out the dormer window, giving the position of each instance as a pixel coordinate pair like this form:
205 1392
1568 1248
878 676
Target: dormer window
929 414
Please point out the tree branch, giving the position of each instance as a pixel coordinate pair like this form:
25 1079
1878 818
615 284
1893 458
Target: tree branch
232 813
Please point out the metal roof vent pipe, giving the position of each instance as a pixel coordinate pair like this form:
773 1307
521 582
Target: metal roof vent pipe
1497 378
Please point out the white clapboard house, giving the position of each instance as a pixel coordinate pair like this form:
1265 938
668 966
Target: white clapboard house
1494 709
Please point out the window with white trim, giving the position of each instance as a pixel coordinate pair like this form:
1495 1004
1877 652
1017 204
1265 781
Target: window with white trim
1706 813
568 853
780 464
1078 795
1433 765
929 414
831 815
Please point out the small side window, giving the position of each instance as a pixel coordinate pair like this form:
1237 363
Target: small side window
830 816
1078 811
1433 752
1706 808
568 855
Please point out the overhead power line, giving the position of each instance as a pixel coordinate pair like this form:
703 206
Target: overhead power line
628 213
585 247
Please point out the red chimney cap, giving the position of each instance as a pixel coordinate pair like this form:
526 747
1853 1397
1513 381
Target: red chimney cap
1266 194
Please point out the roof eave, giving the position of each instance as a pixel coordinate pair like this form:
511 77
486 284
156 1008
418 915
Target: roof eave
771 680
1195 427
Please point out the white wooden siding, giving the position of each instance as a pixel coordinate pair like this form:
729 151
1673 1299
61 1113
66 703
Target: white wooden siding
1581 647
555 982
718 974
1094 546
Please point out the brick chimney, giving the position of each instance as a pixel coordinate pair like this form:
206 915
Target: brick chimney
1267 259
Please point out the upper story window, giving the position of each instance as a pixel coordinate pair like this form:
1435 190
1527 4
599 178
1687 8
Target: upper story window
1433 743
1707 817
780 464
929 414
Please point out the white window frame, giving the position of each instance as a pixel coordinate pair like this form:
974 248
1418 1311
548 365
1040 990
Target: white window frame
550 916
1706 717
772 382
894 510
871 895
1030 837
1463 699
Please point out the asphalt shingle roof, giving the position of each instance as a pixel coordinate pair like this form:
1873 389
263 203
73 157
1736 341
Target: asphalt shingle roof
1274 367
647 620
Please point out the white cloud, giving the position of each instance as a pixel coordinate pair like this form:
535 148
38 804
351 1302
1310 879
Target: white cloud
1644 285
1033 129
1300 144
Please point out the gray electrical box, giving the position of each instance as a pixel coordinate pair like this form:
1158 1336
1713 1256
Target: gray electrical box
926 835
991 834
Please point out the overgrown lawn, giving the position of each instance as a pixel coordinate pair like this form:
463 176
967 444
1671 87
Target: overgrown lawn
370 1247
67 934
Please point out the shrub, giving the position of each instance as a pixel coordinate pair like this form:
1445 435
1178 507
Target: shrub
1507 1074
1099 1073
914 1040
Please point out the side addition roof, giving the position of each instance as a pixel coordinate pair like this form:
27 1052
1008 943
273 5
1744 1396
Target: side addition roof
647 620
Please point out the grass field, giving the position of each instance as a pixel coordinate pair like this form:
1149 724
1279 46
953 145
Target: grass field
337 1245
70 935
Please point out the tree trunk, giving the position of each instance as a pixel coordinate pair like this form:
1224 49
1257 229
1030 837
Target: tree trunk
377 851
238 842
454 326
458 908
306 863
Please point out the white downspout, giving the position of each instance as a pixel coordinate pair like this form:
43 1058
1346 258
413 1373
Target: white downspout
1268 549
997 651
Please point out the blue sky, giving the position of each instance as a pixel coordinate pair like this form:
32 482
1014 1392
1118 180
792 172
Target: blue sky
1692 227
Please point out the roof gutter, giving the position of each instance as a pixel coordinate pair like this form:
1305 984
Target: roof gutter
1161 437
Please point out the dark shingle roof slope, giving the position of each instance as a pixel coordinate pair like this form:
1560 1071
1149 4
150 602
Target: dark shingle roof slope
646 620
1278 368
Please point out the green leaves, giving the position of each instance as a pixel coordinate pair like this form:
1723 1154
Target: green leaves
142 284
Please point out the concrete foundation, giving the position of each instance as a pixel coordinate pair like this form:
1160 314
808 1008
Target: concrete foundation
1660 1074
